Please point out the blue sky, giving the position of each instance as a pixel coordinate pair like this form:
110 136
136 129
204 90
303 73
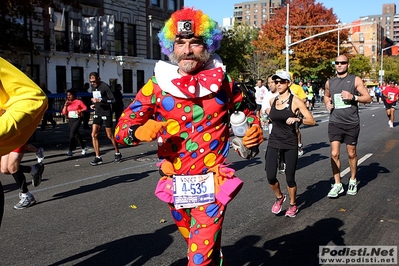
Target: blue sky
346 10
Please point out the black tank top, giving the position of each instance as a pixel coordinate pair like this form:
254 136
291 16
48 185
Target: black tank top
345 112
283 136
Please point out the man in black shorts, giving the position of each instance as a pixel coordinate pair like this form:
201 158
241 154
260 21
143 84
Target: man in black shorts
102 105
341 100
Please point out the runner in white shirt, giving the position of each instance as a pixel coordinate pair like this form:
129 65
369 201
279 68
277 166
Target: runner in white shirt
260 92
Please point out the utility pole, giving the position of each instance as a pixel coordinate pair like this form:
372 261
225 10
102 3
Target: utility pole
287 40
98 44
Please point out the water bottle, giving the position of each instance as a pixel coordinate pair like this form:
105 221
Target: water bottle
239 124
265 117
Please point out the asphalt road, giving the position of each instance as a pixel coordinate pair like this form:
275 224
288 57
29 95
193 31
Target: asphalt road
108 214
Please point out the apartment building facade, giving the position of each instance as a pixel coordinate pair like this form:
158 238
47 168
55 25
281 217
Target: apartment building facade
256 13
117 38
388 20
366 39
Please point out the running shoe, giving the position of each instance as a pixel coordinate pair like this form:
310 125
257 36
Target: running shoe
96 161
390 124
26 200
69 153
278 204
292 211
118 158
84 150
40 155
300 150
352 187
281 168
37 177
336 189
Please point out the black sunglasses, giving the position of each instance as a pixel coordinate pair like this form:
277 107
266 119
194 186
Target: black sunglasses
280 81
341 62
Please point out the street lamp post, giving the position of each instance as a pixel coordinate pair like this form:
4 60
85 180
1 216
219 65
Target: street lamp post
288 44
338 25
150 26
287 40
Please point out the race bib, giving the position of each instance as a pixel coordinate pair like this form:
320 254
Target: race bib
193 190
391 96
73 114
339 103
97 95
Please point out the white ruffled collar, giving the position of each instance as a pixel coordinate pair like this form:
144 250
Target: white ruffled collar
165 72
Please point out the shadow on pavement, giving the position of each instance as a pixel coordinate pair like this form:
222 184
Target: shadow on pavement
138 249
100 185
302 247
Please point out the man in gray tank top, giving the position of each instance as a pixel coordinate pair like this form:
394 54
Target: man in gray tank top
341 98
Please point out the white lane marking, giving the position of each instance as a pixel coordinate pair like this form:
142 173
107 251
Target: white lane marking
82 180
365 157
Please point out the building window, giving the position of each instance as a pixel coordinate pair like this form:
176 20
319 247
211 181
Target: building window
60 31
118 34
361 49
361 37
156 49
140 79
172 5
156 3
131 40
373 48
77 78
127 81
76 35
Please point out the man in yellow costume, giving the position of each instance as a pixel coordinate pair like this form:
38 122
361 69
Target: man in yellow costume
22 105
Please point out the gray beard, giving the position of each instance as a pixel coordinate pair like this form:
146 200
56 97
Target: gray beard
190 66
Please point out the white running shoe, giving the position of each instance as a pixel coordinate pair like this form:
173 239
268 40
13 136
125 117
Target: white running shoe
40 155
84 150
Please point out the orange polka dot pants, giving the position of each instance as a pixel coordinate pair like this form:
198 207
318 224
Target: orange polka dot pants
201 227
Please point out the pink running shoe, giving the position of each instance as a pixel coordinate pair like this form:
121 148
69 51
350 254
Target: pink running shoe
278 204
292 211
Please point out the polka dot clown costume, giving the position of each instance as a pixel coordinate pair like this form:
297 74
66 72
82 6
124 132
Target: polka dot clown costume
195 110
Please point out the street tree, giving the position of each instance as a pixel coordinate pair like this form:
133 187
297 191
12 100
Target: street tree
390 67
360 66
312 58
236 50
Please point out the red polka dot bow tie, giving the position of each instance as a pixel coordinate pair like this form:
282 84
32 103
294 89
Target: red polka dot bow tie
210 78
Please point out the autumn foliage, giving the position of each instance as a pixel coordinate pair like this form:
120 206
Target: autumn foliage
312 58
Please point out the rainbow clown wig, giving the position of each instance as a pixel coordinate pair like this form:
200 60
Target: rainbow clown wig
188 23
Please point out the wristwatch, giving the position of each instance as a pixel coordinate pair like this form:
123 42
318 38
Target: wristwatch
354 98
